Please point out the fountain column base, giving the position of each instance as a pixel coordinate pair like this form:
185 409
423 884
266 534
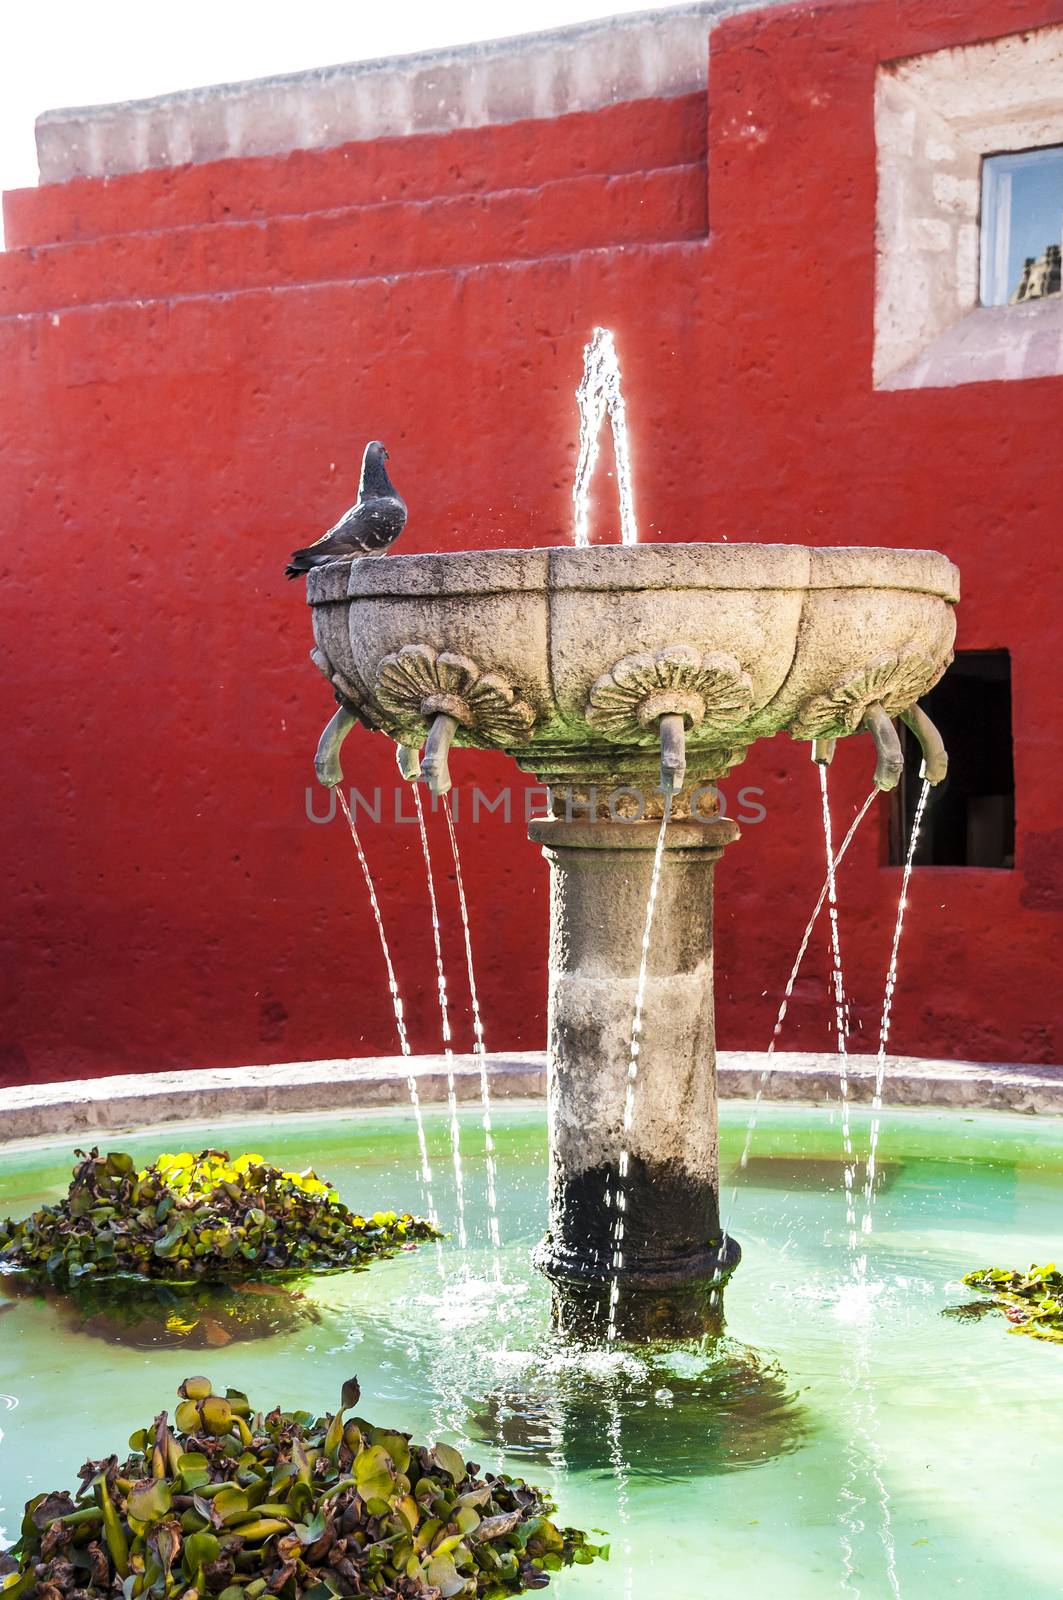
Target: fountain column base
660 1178
668 1307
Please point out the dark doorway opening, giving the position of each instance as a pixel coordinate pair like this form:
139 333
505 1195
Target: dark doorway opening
970 818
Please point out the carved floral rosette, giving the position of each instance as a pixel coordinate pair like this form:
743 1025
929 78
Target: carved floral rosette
895 681
709 690
416 684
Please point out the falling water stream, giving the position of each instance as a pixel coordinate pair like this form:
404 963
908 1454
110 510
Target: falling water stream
887 1006
864 1449
444 1016
751 1126
599 393
396 1001
841 1009
479 1048
858 1373
619 1196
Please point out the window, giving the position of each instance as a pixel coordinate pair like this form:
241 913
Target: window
956 221
970 818
1022 226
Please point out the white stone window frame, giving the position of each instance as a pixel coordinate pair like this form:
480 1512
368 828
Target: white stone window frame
937 116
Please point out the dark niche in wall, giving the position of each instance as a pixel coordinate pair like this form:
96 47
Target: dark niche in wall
970 818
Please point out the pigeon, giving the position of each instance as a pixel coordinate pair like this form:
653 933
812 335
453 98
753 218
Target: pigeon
369 528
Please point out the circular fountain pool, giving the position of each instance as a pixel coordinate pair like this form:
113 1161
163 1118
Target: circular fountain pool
843 1437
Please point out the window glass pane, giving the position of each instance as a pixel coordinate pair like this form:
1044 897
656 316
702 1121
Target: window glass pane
1022 226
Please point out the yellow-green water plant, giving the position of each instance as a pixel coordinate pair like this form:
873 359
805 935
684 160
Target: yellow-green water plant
1032 1301
227 1503
188 1219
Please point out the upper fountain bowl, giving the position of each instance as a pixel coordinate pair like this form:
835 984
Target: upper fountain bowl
575 660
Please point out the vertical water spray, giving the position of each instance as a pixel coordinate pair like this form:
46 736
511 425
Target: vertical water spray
887 1006
863 1452
868 1461
751 1125
619 1193
479 1049
849 1523
885 1532
841 1018
622 1476
444 1016
396 1001
599 393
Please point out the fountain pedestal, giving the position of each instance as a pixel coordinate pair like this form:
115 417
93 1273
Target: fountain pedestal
667 1259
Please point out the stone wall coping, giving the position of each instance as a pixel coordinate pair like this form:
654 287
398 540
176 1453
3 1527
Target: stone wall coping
92 1107
647 54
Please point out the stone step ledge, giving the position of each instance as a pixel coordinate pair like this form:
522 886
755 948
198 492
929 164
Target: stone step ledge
398 238
91 1106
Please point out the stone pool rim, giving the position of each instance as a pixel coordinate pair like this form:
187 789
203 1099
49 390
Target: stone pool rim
91 1107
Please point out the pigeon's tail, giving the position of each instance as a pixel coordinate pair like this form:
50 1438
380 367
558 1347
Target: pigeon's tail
302 561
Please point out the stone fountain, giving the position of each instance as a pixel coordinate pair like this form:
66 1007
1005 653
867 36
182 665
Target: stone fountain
628 679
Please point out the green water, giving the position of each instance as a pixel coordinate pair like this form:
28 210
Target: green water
837 1441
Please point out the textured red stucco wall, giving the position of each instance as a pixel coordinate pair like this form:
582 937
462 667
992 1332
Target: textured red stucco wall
191 363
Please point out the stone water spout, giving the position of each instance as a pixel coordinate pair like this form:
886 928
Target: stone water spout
628 678
435 767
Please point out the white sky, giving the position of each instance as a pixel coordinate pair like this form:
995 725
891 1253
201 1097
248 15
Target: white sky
86 52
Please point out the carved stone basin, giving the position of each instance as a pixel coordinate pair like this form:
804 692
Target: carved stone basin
568 658
627 678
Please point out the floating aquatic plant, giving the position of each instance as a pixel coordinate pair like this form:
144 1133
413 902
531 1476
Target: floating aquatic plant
229 1504
1032 1301
187 1219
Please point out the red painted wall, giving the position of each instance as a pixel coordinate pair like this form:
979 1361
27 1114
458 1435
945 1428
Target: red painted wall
192 360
